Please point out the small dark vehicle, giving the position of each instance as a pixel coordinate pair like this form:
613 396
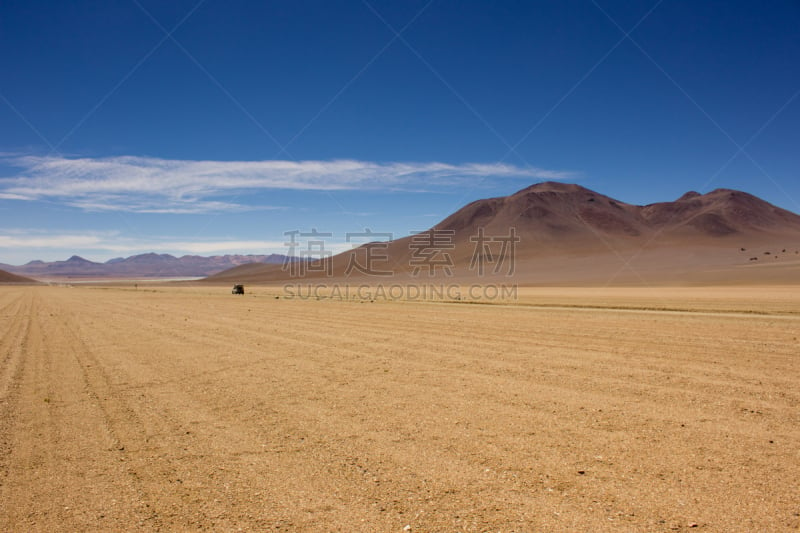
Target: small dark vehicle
237 289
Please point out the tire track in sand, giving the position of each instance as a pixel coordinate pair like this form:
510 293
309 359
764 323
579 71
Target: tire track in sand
61 426
12 345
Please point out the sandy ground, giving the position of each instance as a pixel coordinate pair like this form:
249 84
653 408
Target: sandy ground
569 410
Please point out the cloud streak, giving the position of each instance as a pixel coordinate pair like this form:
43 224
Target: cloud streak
95 242
152 185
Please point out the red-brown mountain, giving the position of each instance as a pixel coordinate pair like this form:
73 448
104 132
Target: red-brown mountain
571 233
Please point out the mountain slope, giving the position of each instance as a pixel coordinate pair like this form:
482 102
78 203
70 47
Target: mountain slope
8 277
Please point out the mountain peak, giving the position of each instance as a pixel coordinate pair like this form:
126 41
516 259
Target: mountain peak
688 196
553 186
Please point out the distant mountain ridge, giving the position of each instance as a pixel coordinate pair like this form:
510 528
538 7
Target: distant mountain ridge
148 265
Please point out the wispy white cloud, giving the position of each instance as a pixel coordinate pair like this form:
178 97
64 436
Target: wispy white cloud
53 241
152 185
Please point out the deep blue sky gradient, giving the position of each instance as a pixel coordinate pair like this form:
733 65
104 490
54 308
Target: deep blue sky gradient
642 121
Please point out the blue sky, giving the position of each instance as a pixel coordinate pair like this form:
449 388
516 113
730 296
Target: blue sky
214 127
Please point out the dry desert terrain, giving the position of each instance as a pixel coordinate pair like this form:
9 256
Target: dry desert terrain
182 408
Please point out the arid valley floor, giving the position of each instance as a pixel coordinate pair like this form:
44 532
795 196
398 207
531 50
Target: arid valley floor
182 408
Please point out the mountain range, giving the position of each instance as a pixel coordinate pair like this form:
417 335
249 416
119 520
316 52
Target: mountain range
548 233
570 234
150 265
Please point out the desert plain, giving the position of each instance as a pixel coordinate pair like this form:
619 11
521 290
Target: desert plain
565 409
